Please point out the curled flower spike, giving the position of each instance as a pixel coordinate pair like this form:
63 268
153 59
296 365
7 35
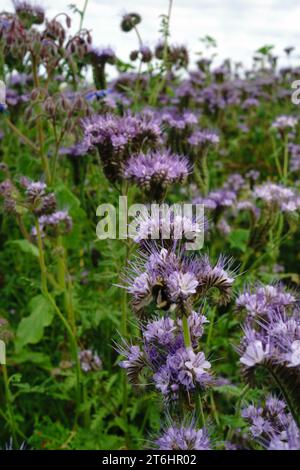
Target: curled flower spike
28 13
156 171
129 21
116 138
168 279
183 438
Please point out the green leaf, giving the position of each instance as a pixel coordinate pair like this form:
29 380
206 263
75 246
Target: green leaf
66 199
26 247
238 239
31 328
37 358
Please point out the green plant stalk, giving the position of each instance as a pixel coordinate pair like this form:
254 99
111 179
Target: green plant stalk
186 332
22 136
9 401
161 83
285 394
39 123
238 409
275 153
214 408
62 274
198 178
73 342
136 94
199 408
205 173
82 14
211 327
285 169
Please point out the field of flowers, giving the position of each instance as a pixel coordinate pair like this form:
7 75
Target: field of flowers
134 343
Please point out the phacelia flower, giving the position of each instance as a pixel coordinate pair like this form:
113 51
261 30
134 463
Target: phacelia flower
116 138
204 138
165 225
59 222
164 361
165 278
284 122
89 361
183 438
155 171
274 194
28 13
272 425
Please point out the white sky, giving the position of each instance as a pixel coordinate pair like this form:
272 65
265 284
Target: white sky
239 26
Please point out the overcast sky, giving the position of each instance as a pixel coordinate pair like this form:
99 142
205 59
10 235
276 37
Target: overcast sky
239 26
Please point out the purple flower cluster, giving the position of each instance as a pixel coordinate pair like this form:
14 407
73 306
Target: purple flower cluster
167 278
183 438
54 224
165 361
204 138
29 13
89 361
102 56
272 425
218 199
166 225
116 138
179 121
279 196
35 197
155 171
284 122
271 330
261 301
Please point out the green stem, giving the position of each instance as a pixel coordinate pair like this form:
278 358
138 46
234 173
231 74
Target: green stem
65 286
205 173
285 395
22 136
73 342
39 123
285 170
186 332
211 327
161 83
9 401
199 408
82 15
